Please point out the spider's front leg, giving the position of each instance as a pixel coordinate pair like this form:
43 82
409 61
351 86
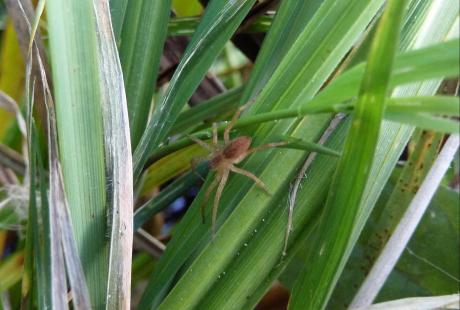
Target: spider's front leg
234 120
266 146
203 144
194 163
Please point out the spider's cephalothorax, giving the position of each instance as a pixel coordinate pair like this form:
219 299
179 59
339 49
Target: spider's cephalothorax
222 160
233 153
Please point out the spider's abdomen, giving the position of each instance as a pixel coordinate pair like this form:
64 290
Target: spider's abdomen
236 149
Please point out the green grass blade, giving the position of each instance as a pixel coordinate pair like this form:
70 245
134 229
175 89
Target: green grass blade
314 286
80 131
299 144
426 121
219 22
291 18
60 250
438 105
186 26
61 232
211 108
47 282
33 254
169 167
141 46
403 106
118 162
118 12
438 60
38 14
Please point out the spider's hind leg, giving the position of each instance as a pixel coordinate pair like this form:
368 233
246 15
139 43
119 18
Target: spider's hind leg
258 181
223 181
194 163
210 188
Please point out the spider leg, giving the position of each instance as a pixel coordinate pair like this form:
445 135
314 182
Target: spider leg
194 162
265 146
210 188
234 120
258 181
222 183
202 143
215 137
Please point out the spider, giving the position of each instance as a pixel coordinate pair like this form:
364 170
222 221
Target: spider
223 158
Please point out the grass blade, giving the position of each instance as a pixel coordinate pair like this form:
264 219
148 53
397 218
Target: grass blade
169 167
438 60
314 287
291 18
438 105
118 162
117 13
186 26
426 121
47 283
61 231
38 14
80 131
142 40
211 108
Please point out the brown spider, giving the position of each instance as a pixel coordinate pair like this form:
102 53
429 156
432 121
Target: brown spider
223 158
